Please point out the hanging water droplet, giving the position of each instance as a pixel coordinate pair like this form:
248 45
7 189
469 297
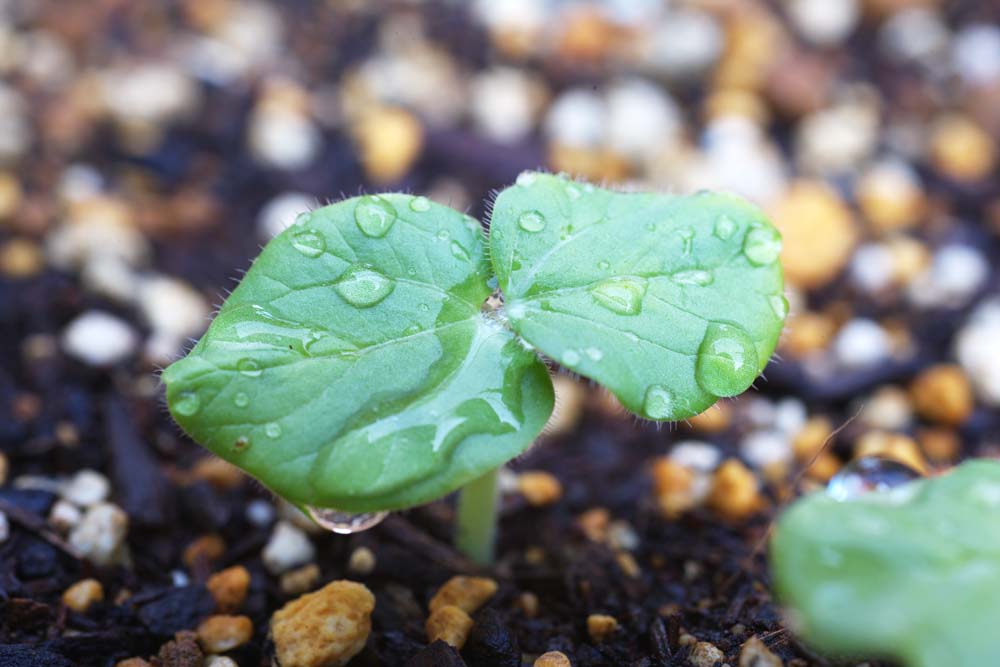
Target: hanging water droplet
241 400
443 235
594 353
779 304
303 219
724 228
362 287
420 204
525 179
458 252
762 245
272 430
531 221
658 403
869 474
187 403
727 360
698 277
242 443
604 265
621 295
309 242
249 367
374 216
570 358
344 523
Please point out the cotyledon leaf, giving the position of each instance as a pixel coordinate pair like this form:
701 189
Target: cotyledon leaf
352 367
668 301
911 574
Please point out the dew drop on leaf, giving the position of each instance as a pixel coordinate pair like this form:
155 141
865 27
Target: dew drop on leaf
344 523
458 252
762 246
249 367
374 216
687 240
594 353
658 403
724 228
779 304
570 358
420 204
363 288
869 474
187 404
604 265
525 179
272 429
303 218
241 400
308 242
443 235
727 360
620 295
698 277
531 221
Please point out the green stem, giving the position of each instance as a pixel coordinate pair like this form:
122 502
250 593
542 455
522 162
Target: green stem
478 505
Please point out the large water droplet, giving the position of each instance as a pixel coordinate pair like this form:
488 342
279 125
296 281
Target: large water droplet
779 304
187 403
241 400
869 474
344 523
249 367
420 204
363 288
658 403
303 219
525 179
594 353
762 245
570 358
374 216
727 360
698 277
309 242
272 429
621 295
531 221
458 252
724 228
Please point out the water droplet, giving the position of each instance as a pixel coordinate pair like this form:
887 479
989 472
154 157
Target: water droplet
779 304
658 403
687 239
242 443
727 360
762 245
621 295
458 252
443 235
525 179
363 288
423 307
724 228
570 358
412 330
309 242
698 277
594 353
344 523
420 204
374 216
604 265
303 218
187 403
249 367
869 474
531 221
272 430
241 400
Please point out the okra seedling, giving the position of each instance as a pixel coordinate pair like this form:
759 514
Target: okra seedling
356 370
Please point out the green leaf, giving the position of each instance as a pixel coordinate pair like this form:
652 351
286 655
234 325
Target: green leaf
670 302
911 574
352 368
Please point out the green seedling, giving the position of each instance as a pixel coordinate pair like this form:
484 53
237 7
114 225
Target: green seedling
355 366
911 574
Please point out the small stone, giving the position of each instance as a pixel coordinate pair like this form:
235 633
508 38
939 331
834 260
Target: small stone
686 44
99 339
628 564
941 445
389 141
735 491
841 137
895 446
890 196
766 448
287 547
4 468
101 534
229 588
504 103
218 634
173 308
283 138
824 23
539 488
133 662
600 627
280 213
754 653
975 54
675 486
81 595
300 580
960 149
814 435
220 661
697 455
325 628
466 593
577 119
260 512
218 472
713 420
21 258
361 561
86 488
203 550
181 651
642 119
593 523
956 273
888 409
943 394
449 624
64 516
621 535
975 348
4 528
528 603
861 342
552 659
705 654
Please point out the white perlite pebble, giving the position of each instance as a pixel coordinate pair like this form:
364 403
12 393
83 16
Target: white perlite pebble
64 516
503 102
888 409
642 119
287 548
765 448
260 512
871 268
283 139
153 92
916 34
976 347
577 118
4 528
220 661
790 415
956 273
100 535
99 339
172 307
824 22
839 137
685 44
696 455
86 488
280 213
861 342
975 54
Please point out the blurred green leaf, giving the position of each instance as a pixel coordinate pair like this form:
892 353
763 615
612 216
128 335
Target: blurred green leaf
911 574
670 302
